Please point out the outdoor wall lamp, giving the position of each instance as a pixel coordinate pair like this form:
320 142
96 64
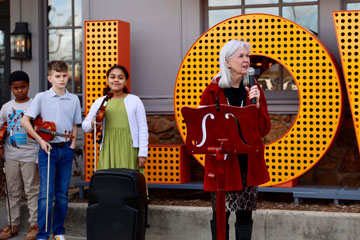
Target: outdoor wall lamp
20 41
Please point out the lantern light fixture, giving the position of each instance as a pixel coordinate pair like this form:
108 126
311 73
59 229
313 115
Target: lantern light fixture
20 41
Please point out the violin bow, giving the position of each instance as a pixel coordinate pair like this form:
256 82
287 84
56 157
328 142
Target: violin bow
7 194
101 109
47 191
95 145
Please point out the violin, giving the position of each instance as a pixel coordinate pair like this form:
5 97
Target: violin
3 134
47 130
98 119
101 111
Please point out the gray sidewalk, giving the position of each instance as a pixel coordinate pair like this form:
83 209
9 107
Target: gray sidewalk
74 221
192 223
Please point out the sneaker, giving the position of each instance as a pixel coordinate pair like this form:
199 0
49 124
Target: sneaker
31 234
59 237
6 233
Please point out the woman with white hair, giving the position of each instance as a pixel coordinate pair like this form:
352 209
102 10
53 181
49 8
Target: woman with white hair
242 173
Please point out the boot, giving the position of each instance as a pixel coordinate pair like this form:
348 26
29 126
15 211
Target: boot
31 234
6 233
243 232
213 230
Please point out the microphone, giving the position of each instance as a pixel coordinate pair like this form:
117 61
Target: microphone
251 73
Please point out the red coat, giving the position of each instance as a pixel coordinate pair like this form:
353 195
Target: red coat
257 170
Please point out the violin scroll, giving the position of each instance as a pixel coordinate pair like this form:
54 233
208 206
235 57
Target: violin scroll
101 111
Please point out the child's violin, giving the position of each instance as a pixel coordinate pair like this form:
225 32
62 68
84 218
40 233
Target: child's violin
47 130
3 134
101 111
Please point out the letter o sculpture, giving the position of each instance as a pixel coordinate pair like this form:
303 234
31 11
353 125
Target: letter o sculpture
313 68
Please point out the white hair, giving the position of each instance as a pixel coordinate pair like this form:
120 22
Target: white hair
227 52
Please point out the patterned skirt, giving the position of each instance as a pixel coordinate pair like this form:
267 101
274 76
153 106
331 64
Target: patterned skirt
239 200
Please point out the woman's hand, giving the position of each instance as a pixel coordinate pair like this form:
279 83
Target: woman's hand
142 161
254 92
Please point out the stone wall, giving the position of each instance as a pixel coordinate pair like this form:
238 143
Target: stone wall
163 130
341 164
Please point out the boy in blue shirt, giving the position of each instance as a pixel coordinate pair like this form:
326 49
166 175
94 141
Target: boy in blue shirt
63 108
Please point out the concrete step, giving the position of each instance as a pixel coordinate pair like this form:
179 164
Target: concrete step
192 223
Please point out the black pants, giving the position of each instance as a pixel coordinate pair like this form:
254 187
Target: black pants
243 217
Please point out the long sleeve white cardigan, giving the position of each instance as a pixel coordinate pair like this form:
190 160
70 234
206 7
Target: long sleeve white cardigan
137 121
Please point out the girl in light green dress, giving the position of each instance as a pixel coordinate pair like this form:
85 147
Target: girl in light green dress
117 150
125 132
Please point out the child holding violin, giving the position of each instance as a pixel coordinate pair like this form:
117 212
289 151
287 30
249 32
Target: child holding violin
125 132
63 109
20 153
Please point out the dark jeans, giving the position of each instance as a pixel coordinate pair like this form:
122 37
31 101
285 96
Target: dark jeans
61 158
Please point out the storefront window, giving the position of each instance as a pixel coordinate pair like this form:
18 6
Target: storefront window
298 1
216 16
60 44
271 75
65 38
3 81
214 3
2 46
353 6
252 2
305 16
267 10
